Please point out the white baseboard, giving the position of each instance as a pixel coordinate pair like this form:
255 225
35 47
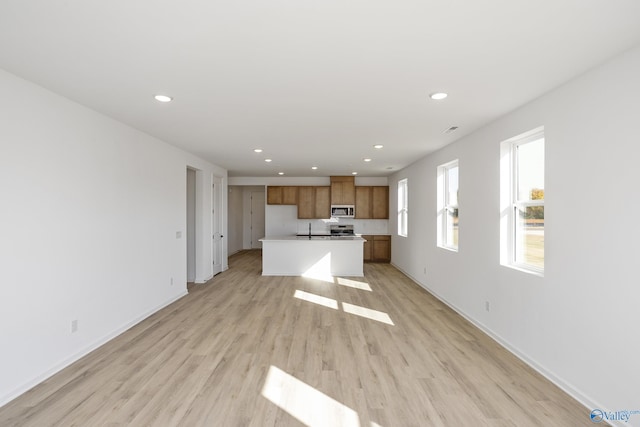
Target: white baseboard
583 399
88 349
202 281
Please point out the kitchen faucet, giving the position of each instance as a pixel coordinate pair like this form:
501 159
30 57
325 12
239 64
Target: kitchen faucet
309 230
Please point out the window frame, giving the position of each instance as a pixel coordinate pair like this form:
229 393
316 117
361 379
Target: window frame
403 207
444 205
510 229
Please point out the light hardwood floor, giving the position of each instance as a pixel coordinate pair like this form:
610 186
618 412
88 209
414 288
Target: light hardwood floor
247 350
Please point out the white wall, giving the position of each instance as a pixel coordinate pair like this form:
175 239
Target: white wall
90 212
578 324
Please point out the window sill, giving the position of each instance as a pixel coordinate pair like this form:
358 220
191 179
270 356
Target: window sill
525 269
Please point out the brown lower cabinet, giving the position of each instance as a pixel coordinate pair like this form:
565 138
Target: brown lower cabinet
377 248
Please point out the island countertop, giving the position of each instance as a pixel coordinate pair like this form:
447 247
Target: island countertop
301 238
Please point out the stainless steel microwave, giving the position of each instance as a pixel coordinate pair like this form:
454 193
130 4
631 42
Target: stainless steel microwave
343 211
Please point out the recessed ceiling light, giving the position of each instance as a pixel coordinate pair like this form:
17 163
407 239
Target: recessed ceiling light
314 167
366 159
389 167
438 96
378 146
163 98
354 173
257 150
280 173
267 160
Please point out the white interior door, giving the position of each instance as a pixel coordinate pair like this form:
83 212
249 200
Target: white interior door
191 225
257 218
216 226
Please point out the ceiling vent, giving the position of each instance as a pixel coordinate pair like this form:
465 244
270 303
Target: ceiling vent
451 129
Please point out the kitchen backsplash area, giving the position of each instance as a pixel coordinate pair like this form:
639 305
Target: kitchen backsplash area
360 226
283 220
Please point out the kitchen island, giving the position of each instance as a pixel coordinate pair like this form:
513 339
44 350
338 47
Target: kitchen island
312 256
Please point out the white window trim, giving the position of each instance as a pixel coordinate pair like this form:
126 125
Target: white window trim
403 208
509 202
443 204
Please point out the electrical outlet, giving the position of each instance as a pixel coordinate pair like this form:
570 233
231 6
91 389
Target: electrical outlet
425 270
74 326
172 281
486 305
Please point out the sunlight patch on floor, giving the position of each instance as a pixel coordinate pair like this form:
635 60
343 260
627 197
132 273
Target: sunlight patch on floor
316 299
369 313
379 316
303 402
353 284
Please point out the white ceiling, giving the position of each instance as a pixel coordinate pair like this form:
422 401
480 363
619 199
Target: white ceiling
312 82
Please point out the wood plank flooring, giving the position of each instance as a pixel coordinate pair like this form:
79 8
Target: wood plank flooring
243 351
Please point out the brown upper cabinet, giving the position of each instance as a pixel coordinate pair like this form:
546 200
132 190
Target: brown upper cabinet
380 202
277 195
323 202
314 202
372 202
343 190
363 203
306 202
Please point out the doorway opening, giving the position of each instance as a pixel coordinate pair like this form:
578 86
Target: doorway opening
257 218
246 213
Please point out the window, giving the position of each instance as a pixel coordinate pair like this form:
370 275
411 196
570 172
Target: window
403 207
448 205
522 199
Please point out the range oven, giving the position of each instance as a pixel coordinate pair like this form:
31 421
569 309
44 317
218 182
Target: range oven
343 211
342 231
